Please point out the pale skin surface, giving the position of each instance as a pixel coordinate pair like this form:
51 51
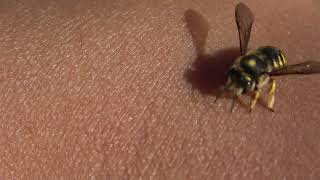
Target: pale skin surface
99 91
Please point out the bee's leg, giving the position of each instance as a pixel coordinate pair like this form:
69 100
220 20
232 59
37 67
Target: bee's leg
257 94
236 98
233 103
271 96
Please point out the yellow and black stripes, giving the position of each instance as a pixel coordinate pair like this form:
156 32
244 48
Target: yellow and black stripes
261 61
274 56
252 71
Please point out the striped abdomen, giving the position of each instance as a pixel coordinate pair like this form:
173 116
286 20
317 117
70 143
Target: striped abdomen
263 60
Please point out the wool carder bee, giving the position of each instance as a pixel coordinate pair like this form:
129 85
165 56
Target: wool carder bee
254 69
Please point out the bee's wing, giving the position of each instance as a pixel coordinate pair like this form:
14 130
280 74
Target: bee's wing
244 19
308 67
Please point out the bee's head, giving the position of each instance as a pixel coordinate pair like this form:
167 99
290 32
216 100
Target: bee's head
239 82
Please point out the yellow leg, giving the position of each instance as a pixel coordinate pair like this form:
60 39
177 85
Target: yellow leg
257 94
271 96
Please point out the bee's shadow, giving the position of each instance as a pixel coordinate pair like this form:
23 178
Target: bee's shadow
208 72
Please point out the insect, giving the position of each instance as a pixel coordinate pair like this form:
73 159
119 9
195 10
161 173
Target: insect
254 69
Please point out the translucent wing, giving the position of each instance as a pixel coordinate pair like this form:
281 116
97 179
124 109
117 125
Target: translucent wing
308 67
244 19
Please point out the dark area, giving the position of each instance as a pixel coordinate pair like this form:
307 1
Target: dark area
198 28
208 72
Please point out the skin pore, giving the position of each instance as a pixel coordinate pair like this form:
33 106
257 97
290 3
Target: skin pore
98 90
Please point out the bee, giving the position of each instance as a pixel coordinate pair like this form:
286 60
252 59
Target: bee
254 69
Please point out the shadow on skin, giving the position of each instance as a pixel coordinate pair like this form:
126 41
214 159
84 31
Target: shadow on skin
209 72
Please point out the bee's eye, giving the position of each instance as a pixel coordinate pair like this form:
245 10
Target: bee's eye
244 79
249 83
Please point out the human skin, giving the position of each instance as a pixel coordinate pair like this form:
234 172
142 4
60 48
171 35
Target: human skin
107 90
